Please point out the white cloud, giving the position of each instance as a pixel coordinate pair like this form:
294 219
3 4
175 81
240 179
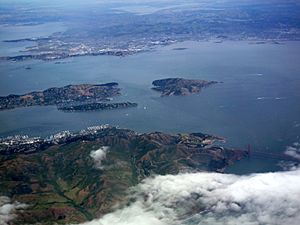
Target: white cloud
99 155
293 151
212 198
8 209
288 165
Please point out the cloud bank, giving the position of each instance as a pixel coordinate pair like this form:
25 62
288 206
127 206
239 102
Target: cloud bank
8 209
99 155
293 150
212 198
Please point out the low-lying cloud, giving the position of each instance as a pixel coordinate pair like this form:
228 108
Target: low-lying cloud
8 209
212 198
293 151
99 155
288 165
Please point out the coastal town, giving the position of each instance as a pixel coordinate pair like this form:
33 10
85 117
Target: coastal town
25 144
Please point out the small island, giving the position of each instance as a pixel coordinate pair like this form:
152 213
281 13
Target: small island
81 97
180 86
96 106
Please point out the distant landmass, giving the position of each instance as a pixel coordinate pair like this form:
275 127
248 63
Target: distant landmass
75 177
180 86
122 33
81 97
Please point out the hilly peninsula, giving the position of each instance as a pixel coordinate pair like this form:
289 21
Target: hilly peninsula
62 181
81 97
180 86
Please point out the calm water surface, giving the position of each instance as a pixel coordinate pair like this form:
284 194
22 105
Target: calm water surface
257 103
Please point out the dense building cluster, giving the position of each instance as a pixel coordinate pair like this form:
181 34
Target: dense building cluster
25 144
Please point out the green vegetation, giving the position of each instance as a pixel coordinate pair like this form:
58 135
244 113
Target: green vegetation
63 183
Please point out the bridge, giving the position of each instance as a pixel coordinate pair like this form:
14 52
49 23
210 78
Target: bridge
270 155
